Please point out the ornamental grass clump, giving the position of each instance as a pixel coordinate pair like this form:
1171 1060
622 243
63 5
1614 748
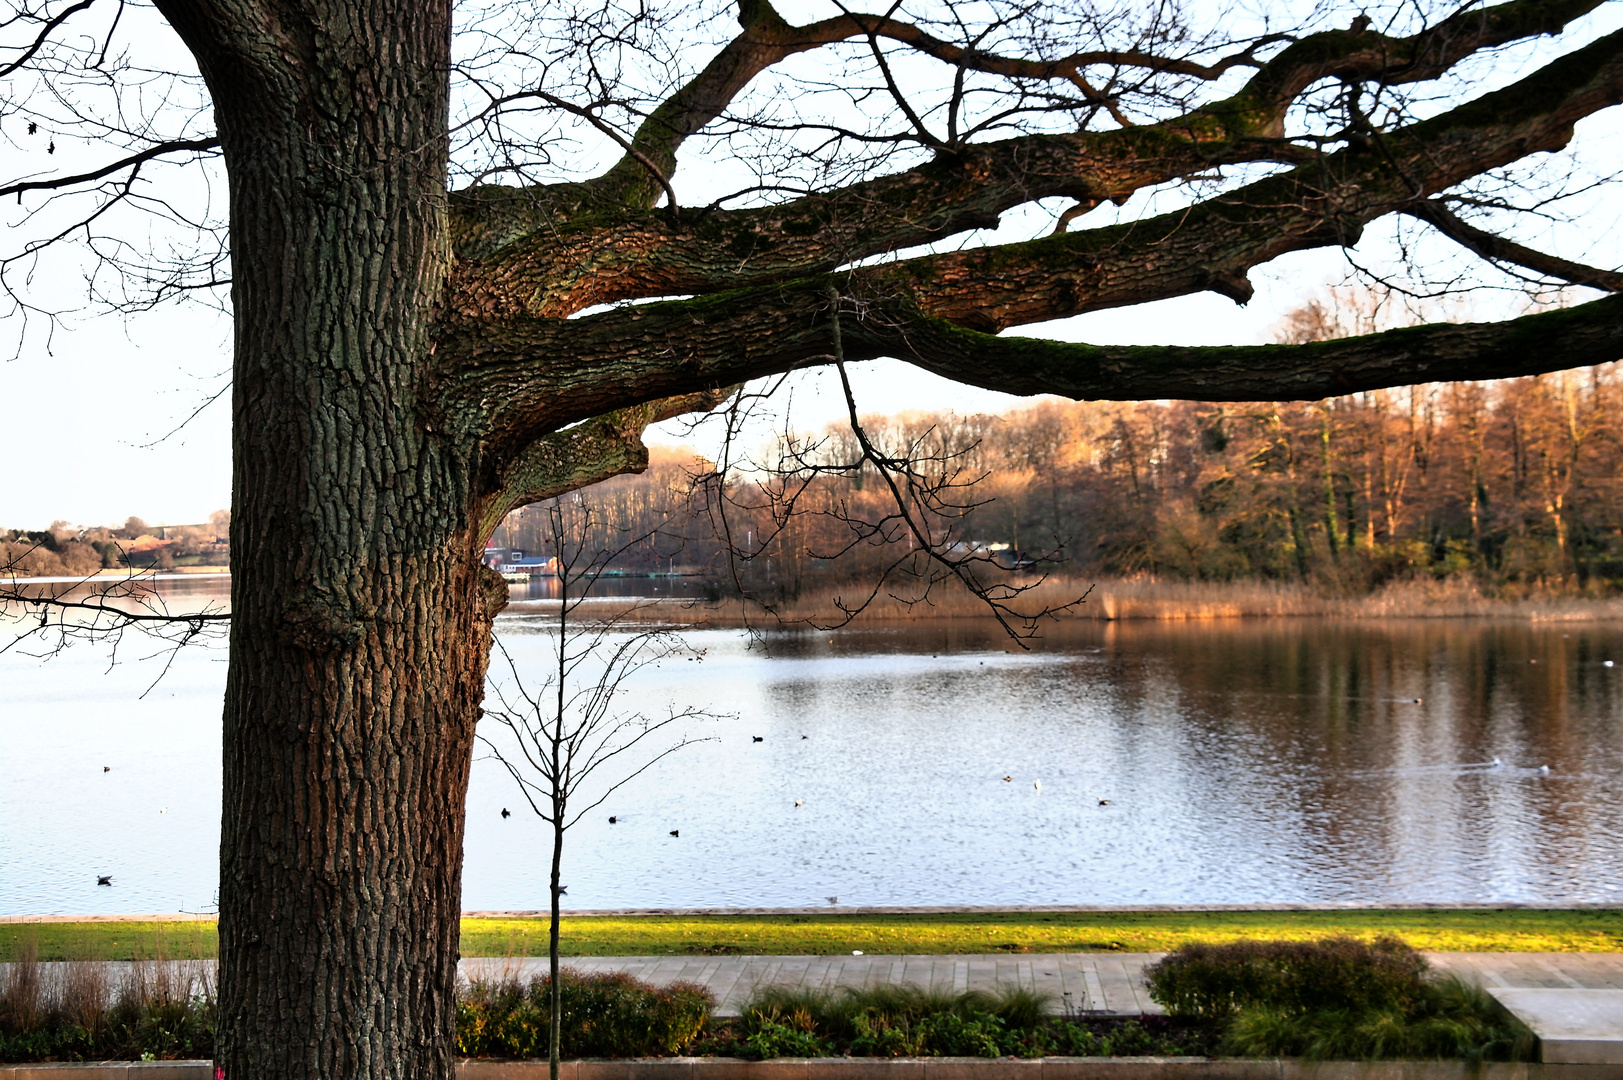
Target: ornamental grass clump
1333 998
611 1014
84 1011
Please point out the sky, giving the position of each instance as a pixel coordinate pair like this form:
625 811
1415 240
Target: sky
111 416
102 423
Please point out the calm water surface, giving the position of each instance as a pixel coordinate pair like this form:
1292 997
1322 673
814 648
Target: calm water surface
1280 761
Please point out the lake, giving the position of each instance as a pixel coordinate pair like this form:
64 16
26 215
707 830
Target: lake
1281 761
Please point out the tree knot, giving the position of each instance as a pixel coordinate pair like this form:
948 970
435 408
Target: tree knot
321 622
1230 283
492 591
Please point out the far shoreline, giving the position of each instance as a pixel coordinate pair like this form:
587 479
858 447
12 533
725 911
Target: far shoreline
1083 600
1137 601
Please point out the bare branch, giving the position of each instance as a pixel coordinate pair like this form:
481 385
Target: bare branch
1497 249
57 183
52 615
44 35
927 496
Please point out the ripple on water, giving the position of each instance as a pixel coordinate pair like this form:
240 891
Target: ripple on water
1245 762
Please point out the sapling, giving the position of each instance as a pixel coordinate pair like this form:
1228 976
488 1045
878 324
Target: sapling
570 749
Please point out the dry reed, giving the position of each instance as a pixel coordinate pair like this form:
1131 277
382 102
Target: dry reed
1144 598
89 1008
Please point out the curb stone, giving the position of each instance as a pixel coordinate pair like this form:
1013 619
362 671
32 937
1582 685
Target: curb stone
1053 1068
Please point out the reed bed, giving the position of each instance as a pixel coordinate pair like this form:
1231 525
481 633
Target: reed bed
1152 599
1415 599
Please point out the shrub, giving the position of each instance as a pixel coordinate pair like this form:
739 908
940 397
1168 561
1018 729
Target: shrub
883 1021
774 1034
911 1021
1144 1036
1337 973
1335 998
1460 1022
612 1014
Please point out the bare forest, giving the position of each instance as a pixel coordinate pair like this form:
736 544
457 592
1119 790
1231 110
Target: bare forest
1513 484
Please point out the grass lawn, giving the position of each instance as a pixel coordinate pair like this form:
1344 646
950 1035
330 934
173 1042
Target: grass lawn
1512 930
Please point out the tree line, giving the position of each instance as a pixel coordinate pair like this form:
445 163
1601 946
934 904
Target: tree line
66 550
1514 483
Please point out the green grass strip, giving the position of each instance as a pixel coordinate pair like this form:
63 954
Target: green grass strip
1467 930
111 940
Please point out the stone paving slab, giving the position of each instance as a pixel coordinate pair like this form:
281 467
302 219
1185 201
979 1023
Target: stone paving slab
1079 982
1573 1025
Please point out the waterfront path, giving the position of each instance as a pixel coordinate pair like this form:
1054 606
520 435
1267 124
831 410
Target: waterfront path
1081 982
1572 1001
1102 983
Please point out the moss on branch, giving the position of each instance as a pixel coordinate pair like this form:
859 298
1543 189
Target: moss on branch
1590 333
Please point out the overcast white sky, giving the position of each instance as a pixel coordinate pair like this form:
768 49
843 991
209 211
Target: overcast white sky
91 411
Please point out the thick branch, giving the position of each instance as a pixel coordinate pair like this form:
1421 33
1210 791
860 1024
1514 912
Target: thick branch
1498 249
1349 55
768 40
641 254
1214 244
728 339
571 265
588 453
1358 55
640 353
1532 345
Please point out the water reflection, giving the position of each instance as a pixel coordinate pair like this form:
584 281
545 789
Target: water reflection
1211 762
1240 763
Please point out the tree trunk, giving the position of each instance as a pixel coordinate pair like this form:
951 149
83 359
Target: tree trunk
359 641
1332 529
555 1001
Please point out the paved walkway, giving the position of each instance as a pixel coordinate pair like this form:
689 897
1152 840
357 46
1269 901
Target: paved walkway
1090 982
1094 982
1080 982
1572 1001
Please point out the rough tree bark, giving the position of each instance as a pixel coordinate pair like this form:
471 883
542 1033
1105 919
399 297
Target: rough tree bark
406 373
360 631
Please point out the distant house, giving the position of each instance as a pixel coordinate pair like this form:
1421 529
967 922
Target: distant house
1004 555
1010 557
516 561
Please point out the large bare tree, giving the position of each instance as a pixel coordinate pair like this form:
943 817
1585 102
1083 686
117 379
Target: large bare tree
414 354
